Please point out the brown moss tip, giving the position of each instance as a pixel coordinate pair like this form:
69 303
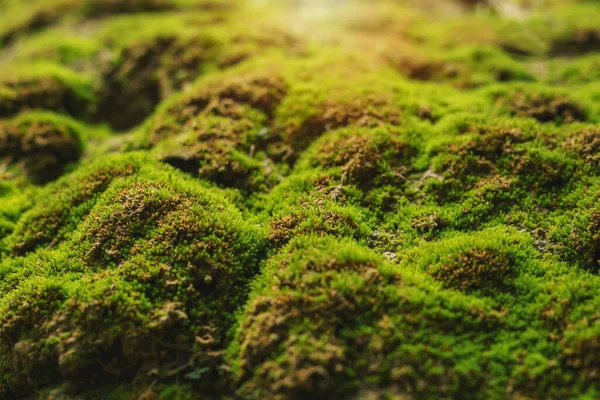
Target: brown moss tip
42 147
474 269
547 108
50 221
366 111
365 159
46 93
586 145
232 98
428 223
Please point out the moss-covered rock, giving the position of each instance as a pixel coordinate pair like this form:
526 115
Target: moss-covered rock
157 264
324 304
260 199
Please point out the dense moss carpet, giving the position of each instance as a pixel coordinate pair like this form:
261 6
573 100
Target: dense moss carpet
308 199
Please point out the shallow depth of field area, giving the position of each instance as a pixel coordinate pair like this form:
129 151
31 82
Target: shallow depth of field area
299 199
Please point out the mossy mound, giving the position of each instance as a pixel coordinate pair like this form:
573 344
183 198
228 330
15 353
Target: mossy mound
155 264
43 144
41 90
329 318
283 200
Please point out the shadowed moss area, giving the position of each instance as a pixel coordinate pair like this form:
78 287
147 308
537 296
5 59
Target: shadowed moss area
243 199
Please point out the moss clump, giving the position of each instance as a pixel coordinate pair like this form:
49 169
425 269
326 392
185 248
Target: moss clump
474 268
43 144
471 263
462 165
157 265
547 108
585 144
366 157
330 114
514 159
43 92
26 20
313 203
223 151
254 199
72 198
251 96
324 219
323 303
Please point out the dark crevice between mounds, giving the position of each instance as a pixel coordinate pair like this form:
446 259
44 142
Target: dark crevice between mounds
129 93
187 165
515 50
580 42
103 8
547 108
474 3
145 74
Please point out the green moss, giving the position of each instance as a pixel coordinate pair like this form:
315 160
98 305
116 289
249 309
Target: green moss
249 98
365 157
44 86
487 261
42 143
324 303
367 199
130 278
71 199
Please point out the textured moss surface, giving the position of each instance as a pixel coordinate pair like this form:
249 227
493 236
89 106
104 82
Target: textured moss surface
299 199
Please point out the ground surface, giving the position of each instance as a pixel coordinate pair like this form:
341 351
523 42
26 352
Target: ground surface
299 199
